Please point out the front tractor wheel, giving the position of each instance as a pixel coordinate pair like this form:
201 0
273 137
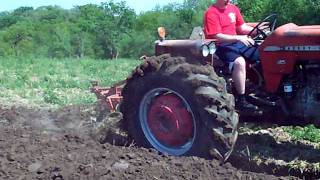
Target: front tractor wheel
179 109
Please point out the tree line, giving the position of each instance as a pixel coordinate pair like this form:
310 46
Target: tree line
111 29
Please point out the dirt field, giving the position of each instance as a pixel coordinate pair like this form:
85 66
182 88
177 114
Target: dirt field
43 143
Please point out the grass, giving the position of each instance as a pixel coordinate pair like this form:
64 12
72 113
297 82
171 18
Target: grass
58 82
309 133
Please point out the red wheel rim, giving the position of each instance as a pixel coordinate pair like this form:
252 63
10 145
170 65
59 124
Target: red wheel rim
169 121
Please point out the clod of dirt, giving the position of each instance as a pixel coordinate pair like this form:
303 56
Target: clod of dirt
8 115
122 165
34 167
108 130
10 157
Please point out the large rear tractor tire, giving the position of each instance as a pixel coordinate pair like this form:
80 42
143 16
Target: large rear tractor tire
179 108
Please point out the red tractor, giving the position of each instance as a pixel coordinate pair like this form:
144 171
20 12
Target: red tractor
180 101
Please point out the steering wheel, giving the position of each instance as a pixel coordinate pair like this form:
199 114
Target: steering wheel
270 22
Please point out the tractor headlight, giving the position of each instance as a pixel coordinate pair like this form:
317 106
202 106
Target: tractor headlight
205 50
212 48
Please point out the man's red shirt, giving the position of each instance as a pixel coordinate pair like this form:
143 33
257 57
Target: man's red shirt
223 21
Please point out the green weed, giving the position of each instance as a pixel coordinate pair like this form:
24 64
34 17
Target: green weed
309 133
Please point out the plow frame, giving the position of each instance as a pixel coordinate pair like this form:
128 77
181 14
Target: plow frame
108 97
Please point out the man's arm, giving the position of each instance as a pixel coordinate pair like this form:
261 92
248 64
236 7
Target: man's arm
244 29
233 38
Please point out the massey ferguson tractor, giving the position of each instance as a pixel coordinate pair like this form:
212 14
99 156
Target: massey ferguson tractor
180 101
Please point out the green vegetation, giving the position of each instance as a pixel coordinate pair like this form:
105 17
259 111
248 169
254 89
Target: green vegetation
300 12
309 133
113 30
57 82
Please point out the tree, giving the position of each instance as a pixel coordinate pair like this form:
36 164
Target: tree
19 38
112 29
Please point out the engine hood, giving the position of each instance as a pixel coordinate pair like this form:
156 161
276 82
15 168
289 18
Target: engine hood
302 31
293 38
293 35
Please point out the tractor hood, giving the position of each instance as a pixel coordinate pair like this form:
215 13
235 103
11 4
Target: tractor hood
303 31
291 36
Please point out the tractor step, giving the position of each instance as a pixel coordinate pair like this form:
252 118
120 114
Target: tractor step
251 113
261 101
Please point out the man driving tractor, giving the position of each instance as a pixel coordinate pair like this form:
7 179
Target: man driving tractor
197 116
224 22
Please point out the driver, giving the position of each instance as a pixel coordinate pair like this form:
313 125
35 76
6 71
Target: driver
224 22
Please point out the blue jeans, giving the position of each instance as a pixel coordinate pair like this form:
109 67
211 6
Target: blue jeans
229 52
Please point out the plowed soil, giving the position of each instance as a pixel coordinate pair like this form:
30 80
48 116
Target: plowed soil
44 143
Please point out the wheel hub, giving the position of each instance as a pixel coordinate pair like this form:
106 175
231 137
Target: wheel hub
169 121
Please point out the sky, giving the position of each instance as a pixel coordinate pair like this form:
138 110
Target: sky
137 5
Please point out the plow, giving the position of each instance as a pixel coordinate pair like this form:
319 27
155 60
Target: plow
109 97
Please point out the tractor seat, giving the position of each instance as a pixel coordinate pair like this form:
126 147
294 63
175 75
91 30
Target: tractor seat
197 33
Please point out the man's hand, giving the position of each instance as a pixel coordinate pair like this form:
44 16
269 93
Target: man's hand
264 25
245 39
248 41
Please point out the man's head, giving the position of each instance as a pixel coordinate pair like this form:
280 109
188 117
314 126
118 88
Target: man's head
222 2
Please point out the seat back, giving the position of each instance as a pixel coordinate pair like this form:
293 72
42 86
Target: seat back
197 33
